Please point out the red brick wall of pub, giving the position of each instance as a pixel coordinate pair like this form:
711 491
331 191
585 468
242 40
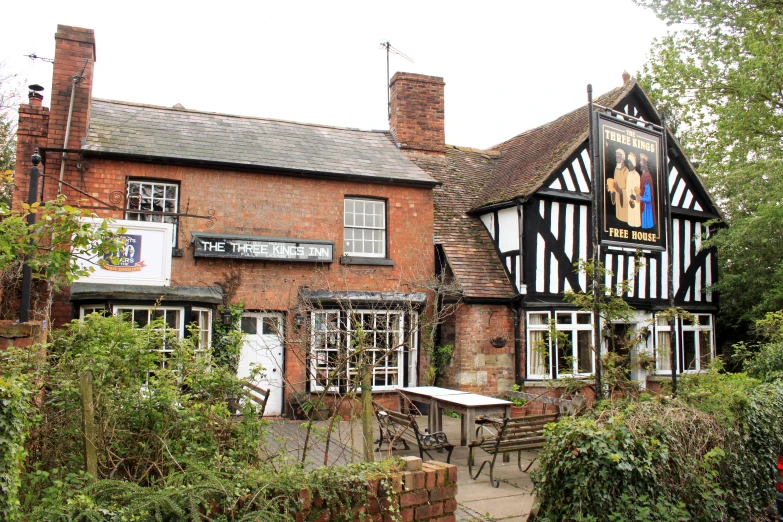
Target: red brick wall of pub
258 203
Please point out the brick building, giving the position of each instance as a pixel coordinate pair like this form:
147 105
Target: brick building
510 223
312 228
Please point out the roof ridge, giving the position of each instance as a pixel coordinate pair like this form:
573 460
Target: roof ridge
238 116
528 131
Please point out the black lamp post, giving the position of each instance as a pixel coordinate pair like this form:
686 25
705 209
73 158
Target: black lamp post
27 271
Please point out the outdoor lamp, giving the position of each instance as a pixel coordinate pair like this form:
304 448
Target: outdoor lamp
226 317
299 320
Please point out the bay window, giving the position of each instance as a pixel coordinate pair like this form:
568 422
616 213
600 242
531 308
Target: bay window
343 341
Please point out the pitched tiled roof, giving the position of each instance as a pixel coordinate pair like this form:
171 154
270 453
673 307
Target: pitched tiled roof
465 241
175 133
474 178
528 159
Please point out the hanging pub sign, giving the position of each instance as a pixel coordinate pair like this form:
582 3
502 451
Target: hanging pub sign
145 258
262 248
629 182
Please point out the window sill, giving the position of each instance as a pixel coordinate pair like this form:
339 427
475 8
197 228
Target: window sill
373 261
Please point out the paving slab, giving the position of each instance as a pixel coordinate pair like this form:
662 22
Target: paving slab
477 500
501 509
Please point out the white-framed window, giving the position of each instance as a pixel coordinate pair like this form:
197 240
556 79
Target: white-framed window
203 329
173 320
570 354
574 345
697 343
334 361
365 227
663 345
154 196
91 309
538 346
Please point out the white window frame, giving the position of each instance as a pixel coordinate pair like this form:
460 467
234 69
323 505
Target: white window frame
135 216
338 340
665 329
180 330
574 328
86 310
204 330
349 223
698 329
538 328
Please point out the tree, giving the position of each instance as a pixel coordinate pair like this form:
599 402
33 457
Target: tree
719 77
9 102
61 246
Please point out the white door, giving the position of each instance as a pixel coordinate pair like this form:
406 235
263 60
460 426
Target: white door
264 348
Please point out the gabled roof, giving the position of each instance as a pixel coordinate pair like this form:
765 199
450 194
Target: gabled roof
528 159
468 247
187 135
516 168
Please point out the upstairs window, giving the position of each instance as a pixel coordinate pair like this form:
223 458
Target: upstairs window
153 196
365 228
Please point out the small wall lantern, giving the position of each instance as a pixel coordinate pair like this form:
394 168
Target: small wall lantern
299 320
226 317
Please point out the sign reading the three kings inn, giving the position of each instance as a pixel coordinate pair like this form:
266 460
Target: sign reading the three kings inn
262 248
629 182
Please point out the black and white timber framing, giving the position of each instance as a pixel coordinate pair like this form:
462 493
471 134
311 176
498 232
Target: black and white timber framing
539 239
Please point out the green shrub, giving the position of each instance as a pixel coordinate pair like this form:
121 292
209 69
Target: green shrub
232 493
708 455
14 429
152 410
767 364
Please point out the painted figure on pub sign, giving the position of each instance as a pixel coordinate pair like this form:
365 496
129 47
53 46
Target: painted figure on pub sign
630 166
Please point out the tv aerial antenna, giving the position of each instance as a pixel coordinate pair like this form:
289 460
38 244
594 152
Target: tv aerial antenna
391 50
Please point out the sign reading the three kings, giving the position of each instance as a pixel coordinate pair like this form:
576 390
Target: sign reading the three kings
631 195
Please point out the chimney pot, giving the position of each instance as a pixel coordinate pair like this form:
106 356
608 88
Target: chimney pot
626 77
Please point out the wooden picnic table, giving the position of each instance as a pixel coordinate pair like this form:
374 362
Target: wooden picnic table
468 405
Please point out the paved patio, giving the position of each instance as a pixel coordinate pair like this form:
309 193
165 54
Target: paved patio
478 500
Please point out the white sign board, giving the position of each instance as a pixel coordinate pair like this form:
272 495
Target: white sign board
145 260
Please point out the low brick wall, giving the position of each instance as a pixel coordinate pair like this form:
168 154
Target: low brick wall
422 491
20 335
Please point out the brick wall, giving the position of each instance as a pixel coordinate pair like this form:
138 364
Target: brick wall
476 365
422 491
31 133
417 117
20 335
267 204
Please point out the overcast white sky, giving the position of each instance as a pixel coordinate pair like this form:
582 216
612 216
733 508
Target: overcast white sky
508 66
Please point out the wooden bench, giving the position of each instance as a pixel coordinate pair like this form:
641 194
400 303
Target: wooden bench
399 427
254 393
512 435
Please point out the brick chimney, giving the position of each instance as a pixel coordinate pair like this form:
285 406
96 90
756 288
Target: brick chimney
417 113
74 57
31 132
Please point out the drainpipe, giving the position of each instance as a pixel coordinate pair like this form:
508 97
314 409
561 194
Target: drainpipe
76 79
517 348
